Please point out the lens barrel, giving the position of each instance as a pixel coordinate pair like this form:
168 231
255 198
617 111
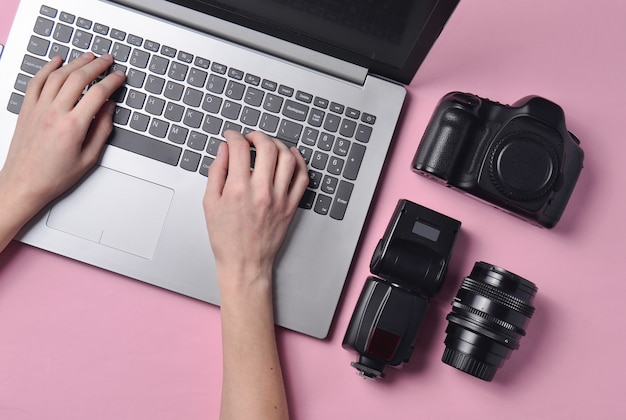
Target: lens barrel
489 315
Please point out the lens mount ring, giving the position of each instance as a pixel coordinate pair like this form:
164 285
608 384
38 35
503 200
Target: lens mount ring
523 165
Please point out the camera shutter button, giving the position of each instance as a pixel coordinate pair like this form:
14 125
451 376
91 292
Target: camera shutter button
523 167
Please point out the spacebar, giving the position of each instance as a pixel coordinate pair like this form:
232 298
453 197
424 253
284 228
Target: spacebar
145 146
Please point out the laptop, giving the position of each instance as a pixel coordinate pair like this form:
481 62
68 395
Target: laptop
325 76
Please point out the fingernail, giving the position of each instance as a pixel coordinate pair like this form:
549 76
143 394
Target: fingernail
111 107
87 56
107 57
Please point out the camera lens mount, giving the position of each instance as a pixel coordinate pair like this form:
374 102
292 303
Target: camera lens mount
523 166
489 315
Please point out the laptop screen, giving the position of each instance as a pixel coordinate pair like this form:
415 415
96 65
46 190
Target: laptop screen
389 37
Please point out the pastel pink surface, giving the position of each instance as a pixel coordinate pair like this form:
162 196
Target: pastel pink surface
78 342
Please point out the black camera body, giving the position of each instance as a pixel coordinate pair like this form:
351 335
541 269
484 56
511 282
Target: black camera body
520 157
411 261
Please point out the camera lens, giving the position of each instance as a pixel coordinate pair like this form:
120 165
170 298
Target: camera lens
489 315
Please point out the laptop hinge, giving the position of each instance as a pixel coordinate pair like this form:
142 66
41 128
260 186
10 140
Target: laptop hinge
252 39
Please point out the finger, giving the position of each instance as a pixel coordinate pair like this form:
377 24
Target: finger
36 84
285 166
99 93
78 79
300 180
218 171
55 80
238 154
98 133
266 156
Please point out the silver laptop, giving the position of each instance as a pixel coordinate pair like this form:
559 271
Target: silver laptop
325 76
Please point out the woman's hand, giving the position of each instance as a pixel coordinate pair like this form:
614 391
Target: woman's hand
248 212
57 138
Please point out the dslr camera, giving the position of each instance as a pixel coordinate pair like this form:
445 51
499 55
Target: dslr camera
520 158
411 261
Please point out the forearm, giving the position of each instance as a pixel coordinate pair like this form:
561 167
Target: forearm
252 379
13 214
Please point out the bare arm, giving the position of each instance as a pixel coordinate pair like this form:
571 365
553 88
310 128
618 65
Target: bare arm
56 140
248 214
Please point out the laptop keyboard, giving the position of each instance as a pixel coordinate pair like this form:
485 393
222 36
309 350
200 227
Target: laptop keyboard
176 106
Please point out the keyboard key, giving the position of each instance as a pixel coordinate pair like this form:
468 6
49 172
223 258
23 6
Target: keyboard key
315 179
307 200
250 116
155 84
201 62
319 160
353 113
341 147
48 11
368 119
269 85
158 128
178 71
135 78
340 203
168 51
21 82
253 80
235 74
15 103
205 164
139 121
272 103
338 108
310 136
192 97
218 68
185 57
178 134
136 99
151 45
347 128
231 110
211 103
197 77
216 84
295 110
101 45
335 165
326 142
118 35
320 102
235 90
329 184
32 65
353 162
285 90
159 64
174 112
101 29
254 96
38 46
67 17
59 50
212 125
120 52
135 40
322 204
62 33
229 125
212 145
269 123
82 39
363 133
289 131
306 153
197 141
173 91
155 106
139 58
121 115
193 118
331 122
190 160
43 26
145 146
316 117
304 97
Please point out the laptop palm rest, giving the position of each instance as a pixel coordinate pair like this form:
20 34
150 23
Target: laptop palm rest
116 210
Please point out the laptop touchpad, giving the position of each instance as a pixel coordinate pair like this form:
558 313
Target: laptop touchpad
116 210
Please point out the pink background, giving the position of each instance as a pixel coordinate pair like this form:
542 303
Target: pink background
77 342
